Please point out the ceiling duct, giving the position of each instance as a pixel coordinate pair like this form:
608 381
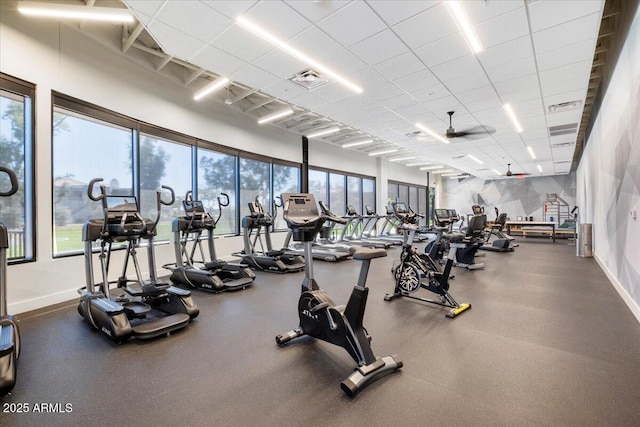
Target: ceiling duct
562 144
563 129
309 79
565 106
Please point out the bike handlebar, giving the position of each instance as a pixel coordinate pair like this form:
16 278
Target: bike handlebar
13 179
226 202
92 183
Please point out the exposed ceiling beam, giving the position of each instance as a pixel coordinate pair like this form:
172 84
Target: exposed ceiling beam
132 37
262 104
197 73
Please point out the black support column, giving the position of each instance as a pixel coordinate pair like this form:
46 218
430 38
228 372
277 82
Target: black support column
304 172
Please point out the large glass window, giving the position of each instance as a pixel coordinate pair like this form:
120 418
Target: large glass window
254 182
217 174
369 192
286 179
84 149
422 203
318 185
413 199
168 163
403 193
337 194
392 192
16 142
354 192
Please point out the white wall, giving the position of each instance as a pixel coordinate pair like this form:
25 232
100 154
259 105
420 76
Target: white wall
608 177
60 58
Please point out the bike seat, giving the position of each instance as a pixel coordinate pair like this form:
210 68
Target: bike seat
369 253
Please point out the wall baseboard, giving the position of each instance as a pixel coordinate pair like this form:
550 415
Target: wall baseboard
44 304
633 306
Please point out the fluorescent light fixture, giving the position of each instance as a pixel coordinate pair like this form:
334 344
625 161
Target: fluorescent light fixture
454 174
69 11
275 116
475 159
357 143
418 164
218 83
512 116
401 159
457 12
284 46
531 153
381 152
429 168
443 171
496 172
431 133
458 176
324 132
539 168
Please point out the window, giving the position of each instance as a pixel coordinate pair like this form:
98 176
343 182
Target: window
217 174
254 182
422 203
286 179
403 193
392 192
337 194
413 199
16 148
354 192
163 162
318 185
83 149
369 192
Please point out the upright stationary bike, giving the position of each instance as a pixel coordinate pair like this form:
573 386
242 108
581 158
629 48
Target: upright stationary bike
322 318
9 333
415 271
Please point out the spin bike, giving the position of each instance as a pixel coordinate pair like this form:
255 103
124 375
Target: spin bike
9 332
415 271
320 317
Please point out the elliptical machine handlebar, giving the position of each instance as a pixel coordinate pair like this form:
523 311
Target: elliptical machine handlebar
13 179
329 215
226 200
160 202
92 184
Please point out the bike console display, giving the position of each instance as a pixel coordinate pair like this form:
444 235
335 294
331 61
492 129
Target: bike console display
302 216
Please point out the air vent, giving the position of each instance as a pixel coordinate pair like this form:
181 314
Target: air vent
563 129
561 162
309 79
562 144
416 134
459 157
565 106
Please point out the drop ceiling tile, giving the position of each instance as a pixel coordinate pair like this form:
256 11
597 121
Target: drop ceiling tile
436 19
394 11
340 25
280 64
443 50
504 53
175 42
430 93
284 90
379 47
254 77
144 19
546 14
147 7
270 15
218 61
420 80
571 85
346 62
575 95
577 71
479 11
384 91
518 84
468 82
195 18
457 68
230 8
398 101
372 110
503 28
239 42
369 78
582 51
439 107
572 32
488 103
483 93
309 100
314 11
409 111
334 91
511 70
330 109
400 66
571 116
316 44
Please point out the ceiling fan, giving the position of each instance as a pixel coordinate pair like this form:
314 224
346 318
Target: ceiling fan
514 174
475 132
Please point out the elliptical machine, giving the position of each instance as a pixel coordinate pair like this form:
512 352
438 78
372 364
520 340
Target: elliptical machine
322 318
266 259
9 332
464 256
415 271
143 308
502 242
211 275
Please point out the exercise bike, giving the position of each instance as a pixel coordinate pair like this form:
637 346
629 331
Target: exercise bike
210 274
9 332
416 271
320 317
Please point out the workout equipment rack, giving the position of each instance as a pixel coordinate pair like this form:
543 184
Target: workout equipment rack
554 206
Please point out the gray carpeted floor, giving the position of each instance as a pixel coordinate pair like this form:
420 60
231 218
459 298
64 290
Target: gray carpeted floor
547 342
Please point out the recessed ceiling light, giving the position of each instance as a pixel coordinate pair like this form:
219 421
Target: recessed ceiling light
381 152
474 159
431 133
512 116
531 153
418 164
457 12
70 11
275 116
400 159
284 46
428 168
323 132
357 143
443 171
217 84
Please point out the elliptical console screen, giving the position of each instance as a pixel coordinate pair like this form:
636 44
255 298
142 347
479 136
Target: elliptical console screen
122 203
442 213
400 207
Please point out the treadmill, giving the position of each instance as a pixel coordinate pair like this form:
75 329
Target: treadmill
351 231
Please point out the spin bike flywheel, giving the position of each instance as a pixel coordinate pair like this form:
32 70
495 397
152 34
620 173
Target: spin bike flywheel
408 278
